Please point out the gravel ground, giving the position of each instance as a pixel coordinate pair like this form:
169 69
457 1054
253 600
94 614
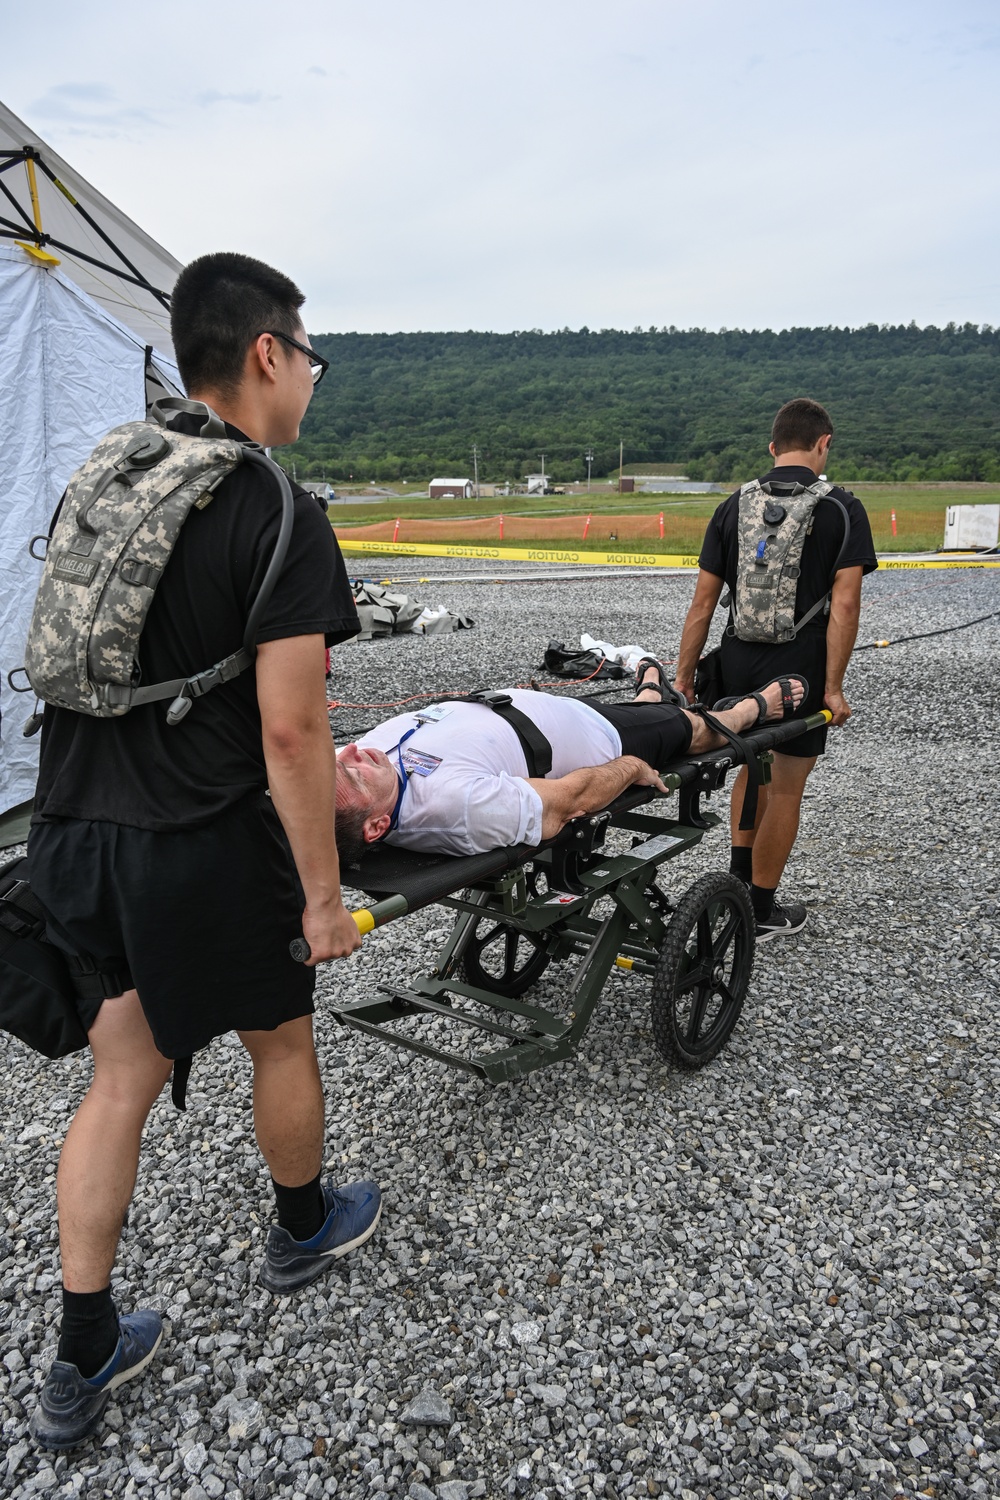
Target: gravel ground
775 1277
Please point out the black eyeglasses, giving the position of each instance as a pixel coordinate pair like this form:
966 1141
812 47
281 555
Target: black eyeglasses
317 364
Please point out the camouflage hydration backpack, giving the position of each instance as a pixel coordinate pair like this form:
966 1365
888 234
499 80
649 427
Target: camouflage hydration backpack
774 521
112 538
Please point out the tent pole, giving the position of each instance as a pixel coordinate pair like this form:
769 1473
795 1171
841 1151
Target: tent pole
29 167
102 265
140 280
12 200
27 222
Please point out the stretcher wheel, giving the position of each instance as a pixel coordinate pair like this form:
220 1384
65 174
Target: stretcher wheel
703 971
504 959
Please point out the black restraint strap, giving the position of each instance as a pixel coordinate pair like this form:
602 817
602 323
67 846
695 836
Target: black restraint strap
179 1082
743 753
106 984
97 984
21 911
537 750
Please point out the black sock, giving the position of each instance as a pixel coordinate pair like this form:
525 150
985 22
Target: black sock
741 861
762 900
89 1330
301 1210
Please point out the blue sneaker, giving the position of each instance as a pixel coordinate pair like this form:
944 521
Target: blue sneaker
352 1213
71 1407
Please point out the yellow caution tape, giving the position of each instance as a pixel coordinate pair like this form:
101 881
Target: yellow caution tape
938 562
484 552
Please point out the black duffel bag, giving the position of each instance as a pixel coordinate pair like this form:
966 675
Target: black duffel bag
580 665
38 1001
708 678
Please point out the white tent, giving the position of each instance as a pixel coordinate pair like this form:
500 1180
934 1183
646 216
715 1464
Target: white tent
84 342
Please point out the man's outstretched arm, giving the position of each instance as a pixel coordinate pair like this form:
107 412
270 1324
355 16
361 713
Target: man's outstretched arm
301 774
567 797
841 633
695 633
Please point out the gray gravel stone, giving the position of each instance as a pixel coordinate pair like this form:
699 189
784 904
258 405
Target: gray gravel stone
453 1489
549 1395
195 1458
245 1419
295 1449
427 1409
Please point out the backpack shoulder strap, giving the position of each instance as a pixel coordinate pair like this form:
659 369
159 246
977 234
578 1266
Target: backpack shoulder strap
184 690
824 600
212 424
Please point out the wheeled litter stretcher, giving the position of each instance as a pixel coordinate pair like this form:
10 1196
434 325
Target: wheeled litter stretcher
522 908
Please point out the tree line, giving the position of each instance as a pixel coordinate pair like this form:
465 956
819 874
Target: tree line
907 402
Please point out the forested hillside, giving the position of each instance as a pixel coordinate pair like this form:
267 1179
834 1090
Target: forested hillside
907 402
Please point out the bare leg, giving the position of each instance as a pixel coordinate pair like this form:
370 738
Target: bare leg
779 825
287 1100
101 1154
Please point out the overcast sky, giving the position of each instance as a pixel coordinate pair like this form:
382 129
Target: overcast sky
545 163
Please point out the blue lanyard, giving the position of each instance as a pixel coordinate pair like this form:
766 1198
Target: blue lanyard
404 777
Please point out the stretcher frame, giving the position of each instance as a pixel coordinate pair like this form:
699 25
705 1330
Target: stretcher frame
538 904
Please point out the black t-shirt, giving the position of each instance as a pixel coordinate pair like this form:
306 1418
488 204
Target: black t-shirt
720 548
140 771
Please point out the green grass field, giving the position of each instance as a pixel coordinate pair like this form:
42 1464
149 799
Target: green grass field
920 514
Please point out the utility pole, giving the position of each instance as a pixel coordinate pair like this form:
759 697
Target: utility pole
621 455
475 461
589 456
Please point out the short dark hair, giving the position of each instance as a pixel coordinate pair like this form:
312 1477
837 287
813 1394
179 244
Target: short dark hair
799 425
349 831
218 307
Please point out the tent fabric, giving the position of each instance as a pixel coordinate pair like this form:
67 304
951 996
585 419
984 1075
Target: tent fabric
68 372
83 347
131 305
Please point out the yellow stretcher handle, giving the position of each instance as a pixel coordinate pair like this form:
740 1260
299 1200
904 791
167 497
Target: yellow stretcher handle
366 918
369 917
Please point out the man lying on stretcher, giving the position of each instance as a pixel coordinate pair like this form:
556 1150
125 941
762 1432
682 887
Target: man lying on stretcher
454 778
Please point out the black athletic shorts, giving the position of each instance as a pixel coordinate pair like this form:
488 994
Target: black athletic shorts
200 919
656 732
747 665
